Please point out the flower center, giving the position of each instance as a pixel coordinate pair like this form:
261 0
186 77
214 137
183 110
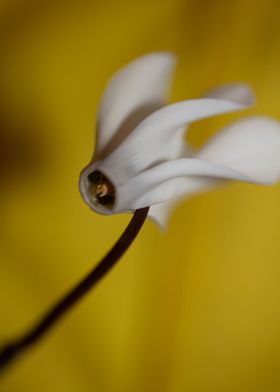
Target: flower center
101 190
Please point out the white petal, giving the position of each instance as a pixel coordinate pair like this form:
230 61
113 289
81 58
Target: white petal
248 150
236 92
147 144
251 146
160 213
185 187
154 186
132 94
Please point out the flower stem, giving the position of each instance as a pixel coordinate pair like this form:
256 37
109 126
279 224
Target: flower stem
14 349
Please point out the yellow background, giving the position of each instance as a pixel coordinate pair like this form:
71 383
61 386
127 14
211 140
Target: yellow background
195 309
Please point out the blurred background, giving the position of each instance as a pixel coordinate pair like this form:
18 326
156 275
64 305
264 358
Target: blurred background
195 309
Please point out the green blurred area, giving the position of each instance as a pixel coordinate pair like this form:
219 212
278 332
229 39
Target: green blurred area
195 309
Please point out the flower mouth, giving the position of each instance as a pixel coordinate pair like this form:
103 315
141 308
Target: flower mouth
101 190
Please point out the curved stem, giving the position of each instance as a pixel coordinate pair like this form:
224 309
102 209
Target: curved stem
13 349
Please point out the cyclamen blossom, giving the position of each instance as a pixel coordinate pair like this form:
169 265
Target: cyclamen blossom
141 157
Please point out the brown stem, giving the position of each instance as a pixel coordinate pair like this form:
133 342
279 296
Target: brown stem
12 350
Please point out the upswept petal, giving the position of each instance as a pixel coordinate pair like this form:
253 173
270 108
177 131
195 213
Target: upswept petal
146 144
236 92
142 190
131 95
250 146
177 147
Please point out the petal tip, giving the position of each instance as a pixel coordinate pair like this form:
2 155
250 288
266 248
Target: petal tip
240 93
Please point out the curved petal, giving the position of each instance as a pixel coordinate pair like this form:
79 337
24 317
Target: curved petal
251 146
131 95
146 145
178 147
236 92
142 190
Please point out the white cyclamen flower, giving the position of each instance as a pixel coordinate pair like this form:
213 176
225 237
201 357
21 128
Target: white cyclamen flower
141 158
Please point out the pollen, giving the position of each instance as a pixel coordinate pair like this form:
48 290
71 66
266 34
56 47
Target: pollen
101 189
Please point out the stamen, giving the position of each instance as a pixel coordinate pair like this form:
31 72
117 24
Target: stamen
102 190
